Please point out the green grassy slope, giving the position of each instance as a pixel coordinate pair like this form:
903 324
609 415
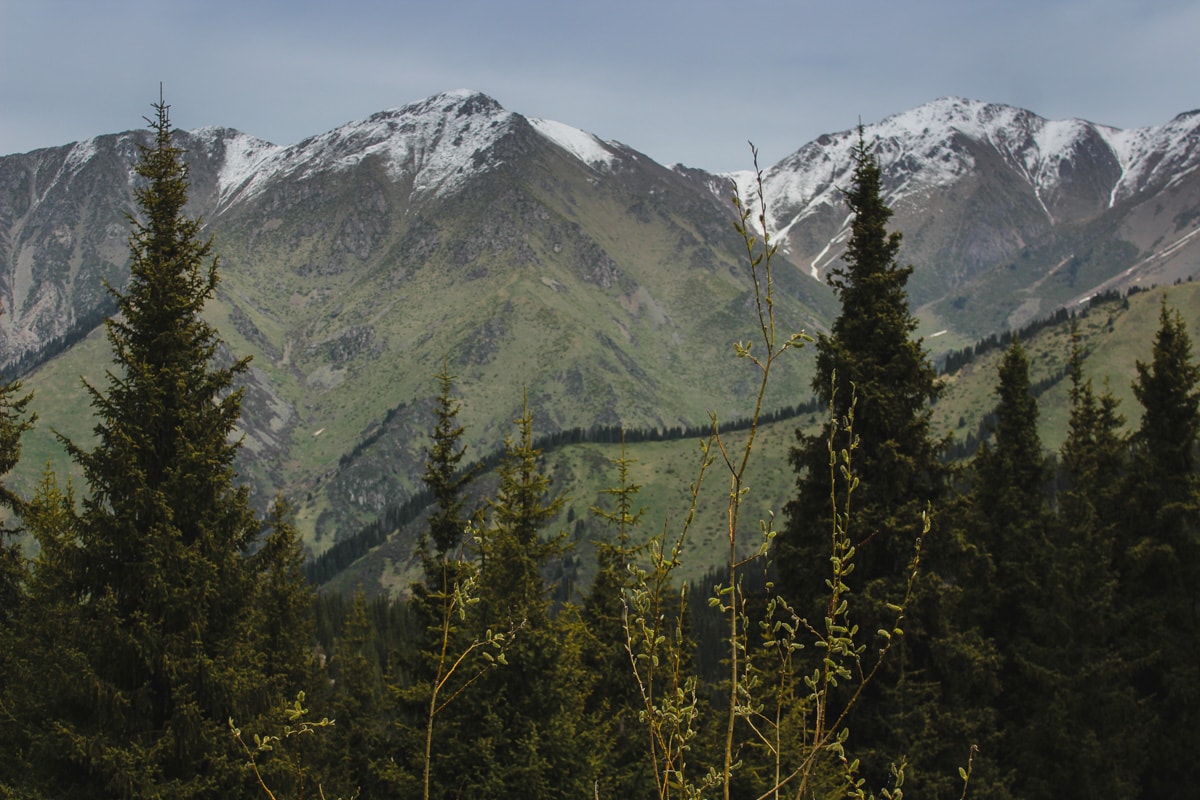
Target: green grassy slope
1115 335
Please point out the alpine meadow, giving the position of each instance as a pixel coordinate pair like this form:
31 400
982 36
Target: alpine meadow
459 454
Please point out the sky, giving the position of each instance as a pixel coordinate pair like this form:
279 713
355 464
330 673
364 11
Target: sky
682 82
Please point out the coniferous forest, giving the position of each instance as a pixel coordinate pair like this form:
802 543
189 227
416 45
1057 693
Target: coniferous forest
1014 624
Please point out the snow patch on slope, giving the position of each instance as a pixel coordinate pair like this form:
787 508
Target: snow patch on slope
581 144
77 157
243 156
802 184
1147 155
81 153
1033 146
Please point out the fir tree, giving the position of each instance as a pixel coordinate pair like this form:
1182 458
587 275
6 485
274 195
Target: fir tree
869 366
444 476
360 758
612 707
870 359
284 604
1092 456
1009 501
1010 522
512 550
439 600
47 658
447 658
603 605
1168 389
1012 468
526 718
157 592
1159 559
1081 648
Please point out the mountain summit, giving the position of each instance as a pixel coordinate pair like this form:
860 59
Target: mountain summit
979 186
934 146
436 146
541 259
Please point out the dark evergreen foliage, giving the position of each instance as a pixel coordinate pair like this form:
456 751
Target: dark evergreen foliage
869 362
444 477
1159 557
511 548
527 716
611 710
15 420
1081 649
870 368
362 755
151 582
1009 520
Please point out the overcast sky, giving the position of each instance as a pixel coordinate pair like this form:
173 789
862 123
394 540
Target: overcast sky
686 82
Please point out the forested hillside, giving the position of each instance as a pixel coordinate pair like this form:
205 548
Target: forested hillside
1014 624
546 261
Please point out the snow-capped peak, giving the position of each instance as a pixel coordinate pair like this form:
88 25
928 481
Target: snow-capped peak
923 148
438 142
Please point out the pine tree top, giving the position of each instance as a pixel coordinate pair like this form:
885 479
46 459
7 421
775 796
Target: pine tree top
167 416
1168 388
870 352
871 252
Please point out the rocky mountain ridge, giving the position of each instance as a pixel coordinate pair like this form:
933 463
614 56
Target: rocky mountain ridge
546 263
976 186
920 151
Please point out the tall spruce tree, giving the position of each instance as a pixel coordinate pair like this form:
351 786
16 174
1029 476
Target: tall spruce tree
526 718
1012 467
283 605
47 643
869 364
1010 502
1011 523
154 588
1159 559
444 475
604 605
361 758
1081 652
870 358
512 549
614 702
446 659
1093 457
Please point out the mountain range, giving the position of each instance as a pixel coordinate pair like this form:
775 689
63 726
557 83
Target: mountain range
543 264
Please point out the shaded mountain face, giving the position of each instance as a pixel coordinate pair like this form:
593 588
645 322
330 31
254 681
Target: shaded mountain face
542 262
